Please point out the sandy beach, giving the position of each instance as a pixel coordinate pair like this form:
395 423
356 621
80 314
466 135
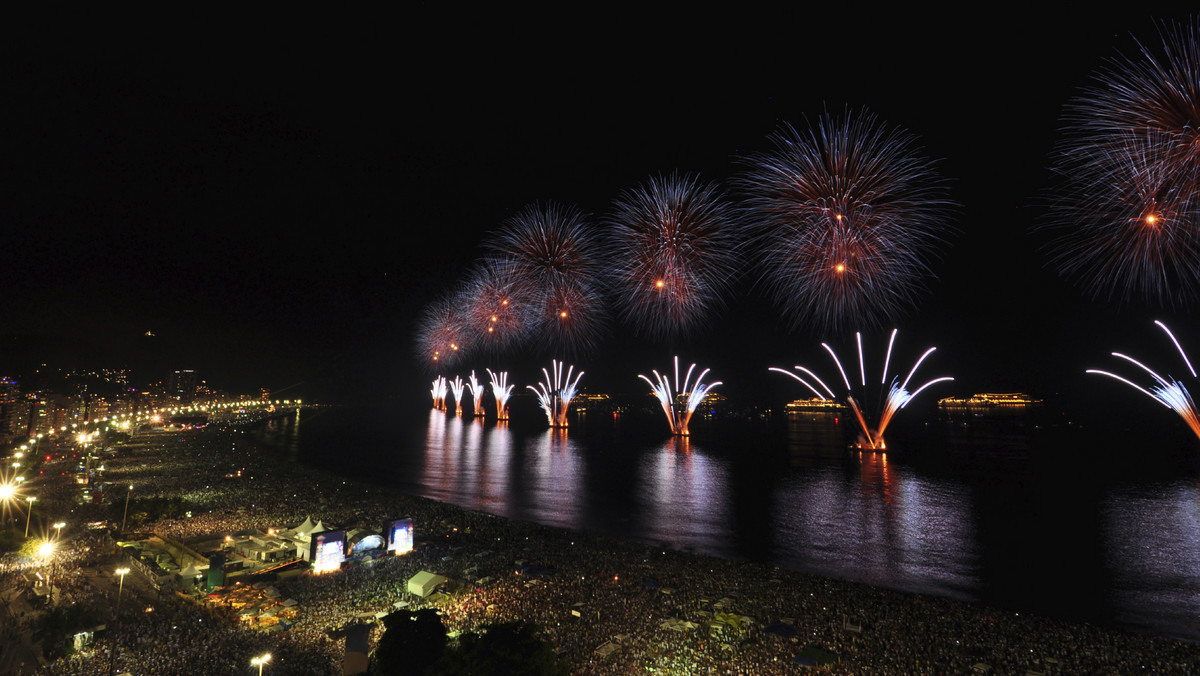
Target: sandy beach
608 606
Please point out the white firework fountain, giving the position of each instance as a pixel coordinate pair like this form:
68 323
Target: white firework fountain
898 395
440 387
1166 391
502 391
555 394
456 388
679 403
476 389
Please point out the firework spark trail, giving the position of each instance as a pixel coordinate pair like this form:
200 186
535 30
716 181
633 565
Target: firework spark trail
1168 391
1126 212
476 388
675 253
679 414
553 253
848 217
440 387
896 398
502 391
555 394
456 387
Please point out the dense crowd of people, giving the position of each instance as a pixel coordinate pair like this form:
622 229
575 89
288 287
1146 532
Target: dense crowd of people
607 606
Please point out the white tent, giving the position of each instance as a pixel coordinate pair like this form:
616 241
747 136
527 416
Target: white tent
423 583
304 528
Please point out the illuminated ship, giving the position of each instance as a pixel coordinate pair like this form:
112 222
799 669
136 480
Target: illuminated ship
816 404
989 400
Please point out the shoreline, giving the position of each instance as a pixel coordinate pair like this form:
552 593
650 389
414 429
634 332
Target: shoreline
639 607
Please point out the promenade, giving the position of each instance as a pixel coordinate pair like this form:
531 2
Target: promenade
609 606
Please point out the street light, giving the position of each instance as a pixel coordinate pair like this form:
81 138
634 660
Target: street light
126 507
260 661
120 588
8 492
29 514
112 660
58 530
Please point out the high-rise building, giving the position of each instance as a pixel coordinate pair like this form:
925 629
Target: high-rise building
10 397
181 386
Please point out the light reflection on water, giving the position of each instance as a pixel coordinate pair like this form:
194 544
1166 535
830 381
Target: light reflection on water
979 523
684 499
889 529
1153 547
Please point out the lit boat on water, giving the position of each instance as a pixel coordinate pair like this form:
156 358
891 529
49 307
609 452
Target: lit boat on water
988 401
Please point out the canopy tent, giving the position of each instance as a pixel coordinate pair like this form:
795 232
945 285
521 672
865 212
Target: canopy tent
306 527
423 583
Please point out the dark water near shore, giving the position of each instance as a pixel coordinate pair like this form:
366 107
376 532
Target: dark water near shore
998 510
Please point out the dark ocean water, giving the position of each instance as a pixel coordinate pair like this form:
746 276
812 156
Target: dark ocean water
1000 510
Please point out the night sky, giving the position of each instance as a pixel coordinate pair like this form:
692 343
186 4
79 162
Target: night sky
277 208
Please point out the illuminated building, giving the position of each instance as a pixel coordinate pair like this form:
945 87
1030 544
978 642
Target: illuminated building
181 386
10 395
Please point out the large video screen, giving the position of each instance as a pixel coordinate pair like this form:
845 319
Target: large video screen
400 536
328 550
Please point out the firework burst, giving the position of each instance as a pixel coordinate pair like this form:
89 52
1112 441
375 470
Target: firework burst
497 301
848 215
501 390
674 253
441 337
553 254
1126 216
895 396
679 403
1166 391
555 394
